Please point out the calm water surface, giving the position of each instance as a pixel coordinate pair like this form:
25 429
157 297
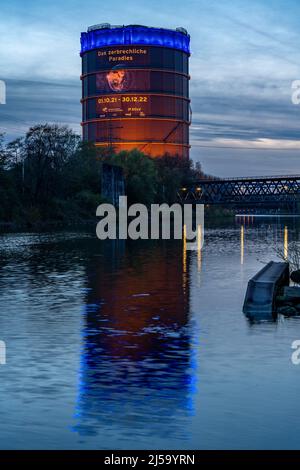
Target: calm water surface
141 345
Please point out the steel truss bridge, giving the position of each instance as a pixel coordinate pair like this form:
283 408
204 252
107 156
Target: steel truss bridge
256 191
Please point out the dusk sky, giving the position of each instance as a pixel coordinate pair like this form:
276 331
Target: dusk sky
245 56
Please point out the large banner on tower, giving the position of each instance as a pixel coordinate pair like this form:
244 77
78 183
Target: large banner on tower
136 95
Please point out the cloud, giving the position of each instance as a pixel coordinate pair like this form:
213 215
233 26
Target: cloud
244 59
33 51
32 102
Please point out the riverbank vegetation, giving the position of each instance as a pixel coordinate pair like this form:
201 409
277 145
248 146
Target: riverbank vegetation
50 175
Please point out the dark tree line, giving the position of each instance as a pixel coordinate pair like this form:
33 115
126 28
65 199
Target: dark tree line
51 175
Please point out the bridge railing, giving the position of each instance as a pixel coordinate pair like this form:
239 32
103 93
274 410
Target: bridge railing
263 190
251 178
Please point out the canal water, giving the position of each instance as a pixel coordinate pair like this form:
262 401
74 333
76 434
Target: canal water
144 345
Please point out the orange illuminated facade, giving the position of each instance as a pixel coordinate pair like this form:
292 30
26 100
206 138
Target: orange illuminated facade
135 89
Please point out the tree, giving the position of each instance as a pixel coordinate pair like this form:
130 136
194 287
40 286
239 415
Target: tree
8 193
50 174
47 149
2 152
140 175
174 172
83 170
15 152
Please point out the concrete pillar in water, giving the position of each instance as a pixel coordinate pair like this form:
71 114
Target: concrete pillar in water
112 183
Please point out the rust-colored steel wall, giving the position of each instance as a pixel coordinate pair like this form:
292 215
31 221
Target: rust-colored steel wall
135 89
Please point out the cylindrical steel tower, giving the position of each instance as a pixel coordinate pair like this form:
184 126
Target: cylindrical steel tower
135 88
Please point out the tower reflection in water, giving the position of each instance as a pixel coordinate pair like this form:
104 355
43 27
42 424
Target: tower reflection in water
137 369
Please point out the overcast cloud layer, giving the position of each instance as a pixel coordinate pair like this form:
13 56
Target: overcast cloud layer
245 56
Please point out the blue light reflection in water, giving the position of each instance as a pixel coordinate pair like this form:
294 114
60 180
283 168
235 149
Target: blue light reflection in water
139 345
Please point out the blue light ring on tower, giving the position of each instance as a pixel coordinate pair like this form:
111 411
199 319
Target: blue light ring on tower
132 35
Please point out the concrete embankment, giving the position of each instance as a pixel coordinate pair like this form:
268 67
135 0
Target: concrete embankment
263 288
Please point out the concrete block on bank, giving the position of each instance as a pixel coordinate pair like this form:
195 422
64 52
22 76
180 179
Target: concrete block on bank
263 288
